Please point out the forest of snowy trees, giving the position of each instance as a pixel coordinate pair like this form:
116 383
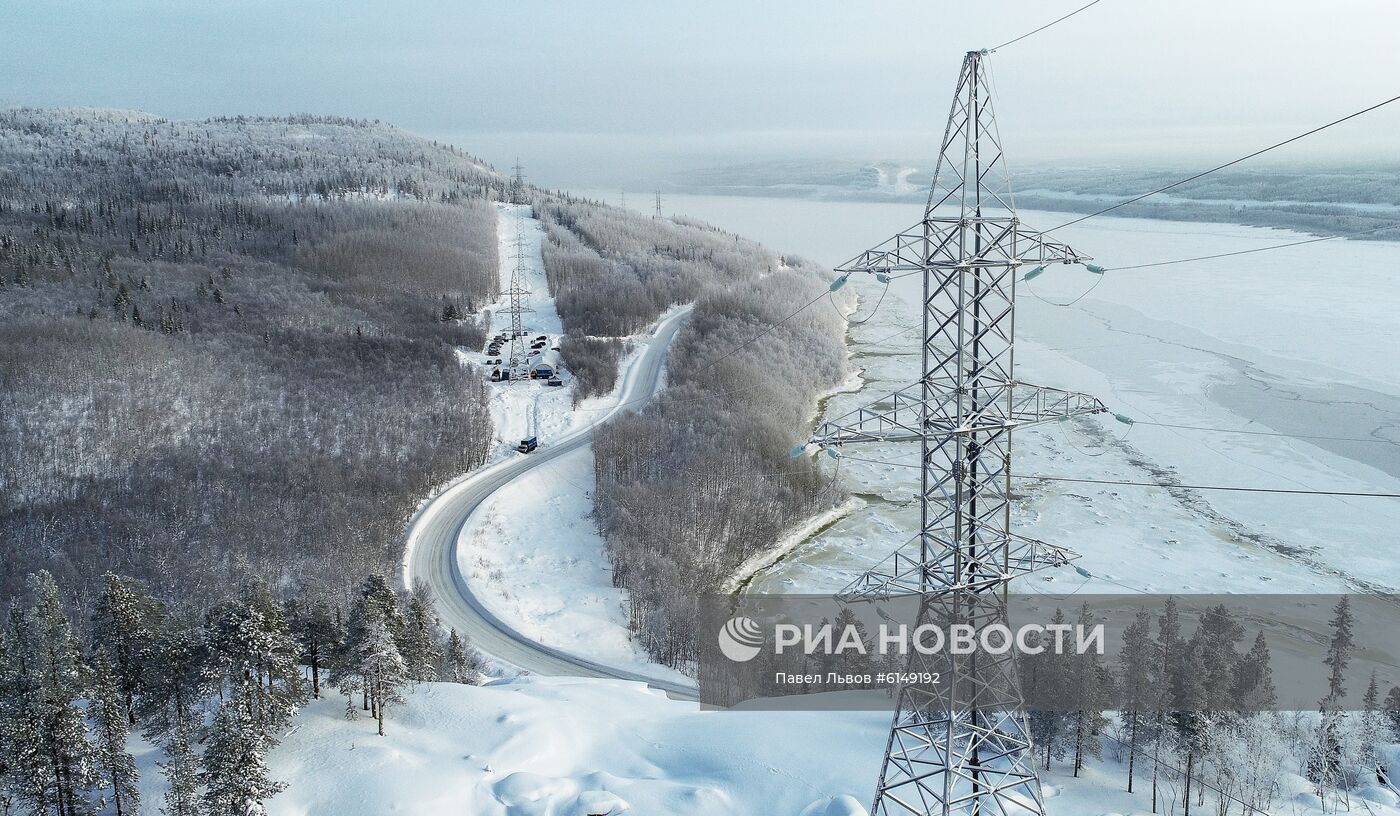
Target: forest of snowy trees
1183 708
1193 717
701 479
226 372
214 692
228 377
222 350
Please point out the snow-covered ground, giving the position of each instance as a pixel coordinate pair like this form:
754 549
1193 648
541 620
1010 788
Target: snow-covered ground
531 553
543 746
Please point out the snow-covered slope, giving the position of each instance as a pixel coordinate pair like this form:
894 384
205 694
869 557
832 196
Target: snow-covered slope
570 747
538 746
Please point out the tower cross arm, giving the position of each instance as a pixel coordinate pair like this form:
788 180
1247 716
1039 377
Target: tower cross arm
904 572
1035 404
934 244
908 415
909 250
898 417
1033 247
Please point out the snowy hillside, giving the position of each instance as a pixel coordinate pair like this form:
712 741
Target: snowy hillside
540 746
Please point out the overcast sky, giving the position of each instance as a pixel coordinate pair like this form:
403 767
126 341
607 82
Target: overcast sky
594 90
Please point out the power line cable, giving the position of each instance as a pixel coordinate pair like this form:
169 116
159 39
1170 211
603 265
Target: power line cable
884 340
1370 439
1042 28
1229 488
1257 249
1193 259
1231 163
1271 247
1066 303
1195 177
1102 448
1129 483
873 312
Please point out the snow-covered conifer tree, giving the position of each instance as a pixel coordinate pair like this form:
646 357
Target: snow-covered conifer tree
52 740
181 768
236 778
382 667
124 621
1139 699
115 767
420 649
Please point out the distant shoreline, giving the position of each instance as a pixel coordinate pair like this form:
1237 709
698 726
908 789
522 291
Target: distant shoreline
1323 202
1322 219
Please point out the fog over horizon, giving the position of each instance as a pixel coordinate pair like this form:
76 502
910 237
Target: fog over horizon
629 94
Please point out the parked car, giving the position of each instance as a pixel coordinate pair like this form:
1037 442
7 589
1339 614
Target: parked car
527 445
555 381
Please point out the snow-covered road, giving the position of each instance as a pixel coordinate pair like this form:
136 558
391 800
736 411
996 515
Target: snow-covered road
434 532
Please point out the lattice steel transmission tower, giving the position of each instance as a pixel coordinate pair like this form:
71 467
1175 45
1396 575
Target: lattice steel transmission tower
962 746
515 365
658 214
517 184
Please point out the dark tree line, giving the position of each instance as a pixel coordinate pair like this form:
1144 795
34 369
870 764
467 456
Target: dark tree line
215 692
1304 199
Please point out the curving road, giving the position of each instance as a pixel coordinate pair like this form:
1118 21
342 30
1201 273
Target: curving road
431 539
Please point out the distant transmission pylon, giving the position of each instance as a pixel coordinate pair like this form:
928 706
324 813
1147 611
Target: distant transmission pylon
517 185
515 365
962 746
658 205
